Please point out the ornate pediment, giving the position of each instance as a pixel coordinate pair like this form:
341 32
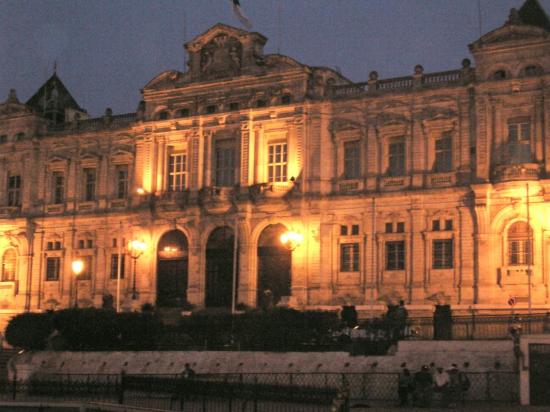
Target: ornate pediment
225 51
166 79
340 125
510 33
437 113
389 119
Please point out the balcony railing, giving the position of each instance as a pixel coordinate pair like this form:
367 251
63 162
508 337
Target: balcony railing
512 172
438 79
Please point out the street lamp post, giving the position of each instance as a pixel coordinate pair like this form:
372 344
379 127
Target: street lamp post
136 249
291 239
77 267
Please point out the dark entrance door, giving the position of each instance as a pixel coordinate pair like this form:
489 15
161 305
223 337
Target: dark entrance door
539 374
172 270
219 268
274 263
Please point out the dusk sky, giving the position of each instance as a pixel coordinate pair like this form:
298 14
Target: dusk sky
106 50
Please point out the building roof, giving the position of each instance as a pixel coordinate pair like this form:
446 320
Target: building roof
532 14
53 95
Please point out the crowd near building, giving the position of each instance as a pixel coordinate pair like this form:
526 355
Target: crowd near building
431 188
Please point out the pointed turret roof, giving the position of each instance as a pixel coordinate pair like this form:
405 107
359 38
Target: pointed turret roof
532 14
53 95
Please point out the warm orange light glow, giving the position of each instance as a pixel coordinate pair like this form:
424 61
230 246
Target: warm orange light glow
170 249
136 248
140 191
291 239
77 266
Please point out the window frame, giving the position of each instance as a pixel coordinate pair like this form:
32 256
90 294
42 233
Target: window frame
442 253
395 260
57 269
10 277
280 166
177 174
14 191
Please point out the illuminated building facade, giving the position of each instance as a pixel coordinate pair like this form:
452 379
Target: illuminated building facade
431 188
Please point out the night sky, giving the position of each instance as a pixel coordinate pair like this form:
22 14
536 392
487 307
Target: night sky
106 50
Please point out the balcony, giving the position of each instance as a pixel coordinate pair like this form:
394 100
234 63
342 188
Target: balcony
447 179
519 171
175 199
273 190
389 183
217 199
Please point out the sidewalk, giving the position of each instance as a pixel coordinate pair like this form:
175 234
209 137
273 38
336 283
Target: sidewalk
469 408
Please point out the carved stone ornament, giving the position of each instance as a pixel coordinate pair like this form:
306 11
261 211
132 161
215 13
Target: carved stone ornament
221 57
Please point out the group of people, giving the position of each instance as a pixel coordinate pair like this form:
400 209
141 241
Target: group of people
449 386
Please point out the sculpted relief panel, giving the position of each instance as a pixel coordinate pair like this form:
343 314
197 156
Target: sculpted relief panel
222 56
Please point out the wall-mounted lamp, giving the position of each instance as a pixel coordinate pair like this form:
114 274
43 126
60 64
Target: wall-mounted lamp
77 266
291 239
140 191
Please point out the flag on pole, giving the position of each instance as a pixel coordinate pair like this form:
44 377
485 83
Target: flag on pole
240 15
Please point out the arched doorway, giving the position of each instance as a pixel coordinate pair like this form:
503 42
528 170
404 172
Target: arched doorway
274 262
172 269
219 268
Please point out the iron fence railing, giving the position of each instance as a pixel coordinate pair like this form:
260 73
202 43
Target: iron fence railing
276 392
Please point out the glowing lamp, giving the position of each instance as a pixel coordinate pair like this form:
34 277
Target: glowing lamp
77 266
291 239
140 191
136 247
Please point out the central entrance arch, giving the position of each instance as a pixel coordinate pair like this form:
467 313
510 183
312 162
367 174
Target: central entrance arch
219 268
274 263
172 269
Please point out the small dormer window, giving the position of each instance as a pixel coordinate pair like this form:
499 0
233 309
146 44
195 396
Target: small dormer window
261 103
183 113
286 99
532 70
211 109
163 115
233 106
499 75
19 136
3 138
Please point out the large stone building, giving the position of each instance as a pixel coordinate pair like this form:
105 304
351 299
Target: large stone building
430 188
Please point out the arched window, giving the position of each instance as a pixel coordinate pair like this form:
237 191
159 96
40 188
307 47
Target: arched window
520 238
532 70
9 261
183 112
163 115
499 75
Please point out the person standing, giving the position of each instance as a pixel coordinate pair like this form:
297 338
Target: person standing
405 386
455 389
423 384
401 314
442 380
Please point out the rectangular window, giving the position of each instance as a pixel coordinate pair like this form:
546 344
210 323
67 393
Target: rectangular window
58 187
233 106
53 265
389 227
519 141
442 254
351 160
343 230
14 190
87 270
443 154
277 162
89 184
436 226
224 163
354 230
519 252
177 172
114 265
349 257
400 227
448 224
122 181
395 255
396 157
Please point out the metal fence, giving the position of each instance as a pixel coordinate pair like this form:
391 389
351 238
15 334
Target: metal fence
245 392
482 326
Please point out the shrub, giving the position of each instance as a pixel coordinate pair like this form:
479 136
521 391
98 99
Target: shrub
29 331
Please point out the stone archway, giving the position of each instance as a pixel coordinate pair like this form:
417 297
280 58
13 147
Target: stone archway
172 269
274 263
219 267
